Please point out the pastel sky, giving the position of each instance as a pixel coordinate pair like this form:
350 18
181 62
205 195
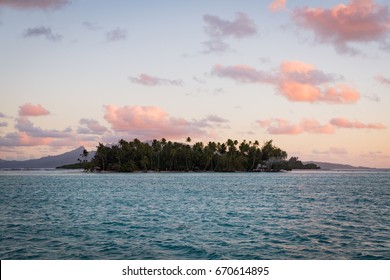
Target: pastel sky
314 76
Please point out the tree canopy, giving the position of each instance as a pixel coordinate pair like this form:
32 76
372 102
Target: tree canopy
163 155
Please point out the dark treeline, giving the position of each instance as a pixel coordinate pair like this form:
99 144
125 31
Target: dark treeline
163 155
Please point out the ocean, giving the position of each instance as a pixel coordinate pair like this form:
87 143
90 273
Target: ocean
242 216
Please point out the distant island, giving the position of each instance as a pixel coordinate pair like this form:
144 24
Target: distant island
337 166
45 162
163 155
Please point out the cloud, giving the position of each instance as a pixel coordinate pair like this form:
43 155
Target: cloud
92 127
29 135
29 110
17 139
265 60
360 21
373 97
345 123
376 156
34 4
147 80
331 151
297 81
241 27
282 126
219 29
242 73
117 34
215 46
304 83
304 73
42 31
91 26
277 5
24 125
199 80
212 121
215 118
382 79
149 122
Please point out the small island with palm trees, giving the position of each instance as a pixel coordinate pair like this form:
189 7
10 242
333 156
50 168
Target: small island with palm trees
162 155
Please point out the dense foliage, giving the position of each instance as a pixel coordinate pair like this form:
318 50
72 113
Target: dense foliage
163 155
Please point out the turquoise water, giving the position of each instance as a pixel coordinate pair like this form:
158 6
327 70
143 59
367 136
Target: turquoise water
294 215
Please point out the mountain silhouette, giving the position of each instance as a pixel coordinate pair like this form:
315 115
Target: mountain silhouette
46 162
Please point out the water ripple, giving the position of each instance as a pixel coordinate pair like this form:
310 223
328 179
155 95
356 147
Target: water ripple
297 215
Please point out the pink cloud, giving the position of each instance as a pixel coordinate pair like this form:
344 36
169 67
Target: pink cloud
27 134
17 139
34 4
148 122
345 123
302 82
304 73
296 67
340 94
27 140
148 80
300 92
29 110
358 21
383 80
282 126
277 5
295 80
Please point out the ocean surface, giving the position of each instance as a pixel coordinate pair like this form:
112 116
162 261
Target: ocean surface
292 215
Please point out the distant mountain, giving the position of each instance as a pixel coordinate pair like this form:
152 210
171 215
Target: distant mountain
333 166
46 162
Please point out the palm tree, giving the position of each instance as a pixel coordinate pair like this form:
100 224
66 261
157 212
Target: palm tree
156 145
83 156
188 152
210 151
173 155
231 152
255 152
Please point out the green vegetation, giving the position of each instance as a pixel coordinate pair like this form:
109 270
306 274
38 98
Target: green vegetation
82 162
165 155
294 163
79 165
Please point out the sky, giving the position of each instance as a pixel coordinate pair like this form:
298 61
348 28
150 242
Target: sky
313 76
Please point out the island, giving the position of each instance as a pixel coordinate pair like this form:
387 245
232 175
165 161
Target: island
162 155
